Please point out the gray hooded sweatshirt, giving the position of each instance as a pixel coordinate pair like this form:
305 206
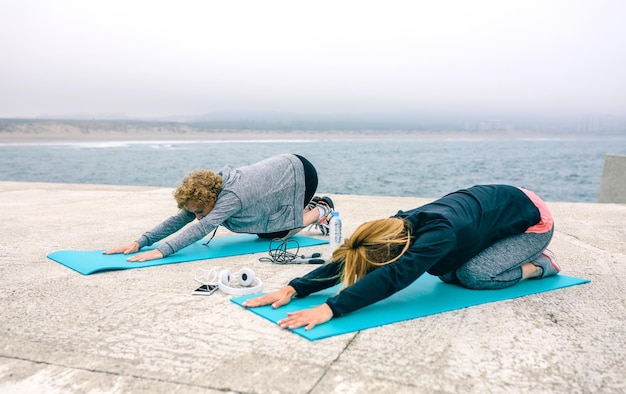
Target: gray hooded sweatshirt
264 197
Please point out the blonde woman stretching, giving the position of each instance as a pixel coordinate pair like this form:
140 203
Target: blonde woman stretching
484 237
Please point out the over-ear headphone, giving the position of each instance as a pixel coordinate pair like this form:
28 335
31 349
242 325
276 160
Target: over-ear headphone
246 278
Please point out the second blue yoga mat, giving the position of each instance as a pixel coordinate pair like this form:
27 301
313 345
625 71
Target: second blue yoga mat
426 296
88 262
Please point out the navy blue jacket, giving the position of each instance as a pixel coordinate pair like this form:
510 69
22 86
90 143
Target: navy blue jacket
445 235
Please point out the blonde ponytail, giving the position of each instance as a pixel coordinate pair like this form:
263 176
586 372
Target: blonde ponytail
372 245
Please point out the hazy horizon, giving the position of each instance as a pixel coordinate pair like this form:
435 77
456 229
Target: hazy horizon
327 60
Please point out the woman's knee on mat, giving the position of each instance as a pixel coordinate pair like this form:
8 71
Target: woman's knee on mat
484 280
473 279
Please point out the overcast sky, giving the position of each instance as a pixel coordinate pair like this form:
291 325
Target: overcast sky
184 57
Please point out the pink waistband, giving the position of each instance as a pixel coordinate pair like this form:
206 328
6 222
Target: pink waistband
546 222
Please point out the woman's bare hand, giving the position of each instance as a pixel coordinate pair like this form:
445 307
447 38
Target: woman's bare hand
145 256
307 317
126 249
276 299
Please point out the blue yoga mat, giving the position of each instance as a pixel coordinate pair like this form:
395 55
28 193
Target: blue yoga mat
426 296
89 262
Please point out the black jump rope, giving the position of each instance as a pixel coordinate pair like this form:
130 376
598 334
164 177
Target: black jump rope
279 254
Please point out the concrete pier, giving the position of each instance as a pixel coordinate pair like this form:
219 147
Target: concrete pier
140 330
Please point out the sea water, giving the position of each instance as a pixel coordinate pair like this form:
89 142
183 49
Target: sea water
556 169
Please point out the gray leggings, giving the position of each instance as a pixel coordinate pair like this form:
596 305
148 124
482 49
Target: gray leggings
500 265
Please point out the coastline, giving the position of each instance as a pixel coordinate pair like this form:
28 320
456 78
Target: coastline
75 136
76 131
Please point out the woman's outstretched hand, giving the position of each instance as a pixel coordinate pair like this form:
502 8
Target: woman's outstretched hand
132 248
276 299
145 256
307 317
126 249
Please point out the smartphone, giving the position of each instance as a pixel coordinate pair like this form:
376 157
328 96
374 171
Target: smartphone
205 290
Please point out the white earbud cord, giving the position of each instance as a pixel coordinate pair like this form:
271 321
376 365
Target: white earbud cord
207 276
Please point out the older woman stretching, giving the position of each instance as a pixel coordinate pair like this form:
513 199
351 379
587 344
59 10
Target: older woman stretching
273 198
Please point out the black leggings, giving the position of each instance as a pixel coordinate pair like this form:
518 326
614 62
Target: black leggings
310 180
310 186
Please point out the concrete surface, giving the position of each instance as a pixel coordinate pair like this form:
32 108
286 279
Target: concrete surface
140 330
613 181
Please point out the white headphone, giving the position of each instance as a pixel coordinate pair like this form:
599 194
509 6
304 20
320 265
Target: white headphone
245 277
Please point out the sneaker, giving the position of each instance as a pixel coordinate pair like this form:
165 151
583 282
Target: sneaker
547 263
326 203
313 203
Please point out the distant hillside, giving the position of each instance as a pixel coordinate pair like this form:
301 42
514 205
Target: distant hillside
81 127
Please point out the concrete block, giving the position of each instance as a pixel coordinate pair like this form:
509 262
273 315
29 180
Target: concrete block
613 181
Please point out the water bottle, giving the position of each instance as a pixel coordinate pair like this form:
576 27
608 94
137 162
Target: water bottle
334 233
